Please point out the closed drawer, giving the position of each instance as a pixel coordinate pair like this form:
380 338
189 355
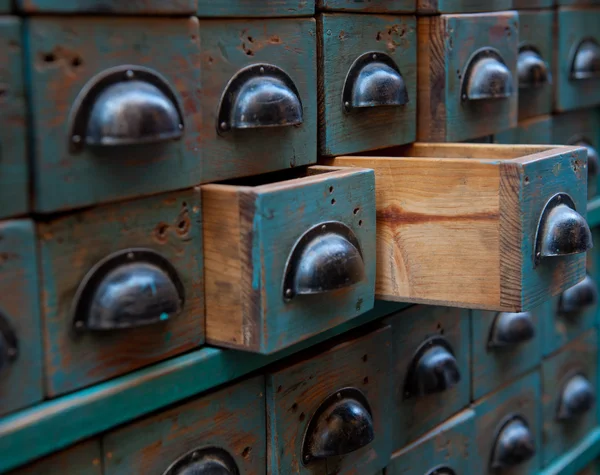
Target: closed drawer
537 130
518 4
462 6
245 65
577 2
569 383
446 451
108 7
5 6
578 56
287 256
20 332
368 82
82 459
504 346
329 413
482 238
467 75
508 429
370 6
97 263
535 63
14 172
593 469
223 432
430 372
116 117
252 8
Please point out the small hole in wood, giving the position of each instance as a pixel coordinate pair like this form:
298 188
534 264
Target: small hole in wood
331 189
76 62
360 222
301 417
49 58
365 358
378 37
279 389
356 210
250 39
333 201
366 380
527 180
246 452
294 407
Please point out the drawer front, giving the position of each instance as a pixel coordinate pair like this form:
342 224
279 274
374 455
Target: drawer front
529 132
577 81
467 75
370 6
245 59
95 262
328 413
535 63
108 7
518 4
447 450
14 172
569 383
368 82
20 332
431 378
504 346
593 469
86 151
5 6
509 428
251 8
223 432
82 459
462 6
288 259
577 2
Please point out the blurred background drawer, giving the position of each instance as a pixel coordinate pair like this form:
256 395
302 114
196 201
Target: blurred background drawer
462 6
368 6
431 377
123 288
82 459
5 6
108 7
468 83
577 2
367 83
537 130
253 8
532 4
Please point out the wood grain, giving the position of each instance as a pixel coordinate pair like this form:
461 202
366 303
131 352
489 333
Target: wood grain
108 7
82 459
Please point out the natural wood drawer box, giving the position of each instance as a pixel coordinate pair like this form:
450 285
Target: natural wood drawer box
458 224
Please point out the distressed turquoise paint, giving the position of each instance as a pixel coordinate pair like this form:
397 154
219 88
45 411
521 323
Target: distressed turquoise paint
14 170
577 2
82 459
572 462
108 7
494 367
462 6
529 132
252 8
21 381
76 416
168 46
593 217
368 6
574 25
518 4
343 39
521 397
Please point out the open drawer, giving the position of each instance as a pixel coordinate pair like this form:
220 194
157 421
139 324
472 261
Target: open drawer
498 227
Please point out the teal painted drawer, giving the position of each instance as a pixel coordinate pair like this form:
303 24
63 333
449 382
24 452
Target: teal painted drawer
578 51
446 450
123 288
430 372
593 469
253 8
14 172
467 75
5 6
368 6
221 432
287 255
537 130
82 459
535 63
569 383
20 329
244 62
504 346
508 429
108 98
577 2
329 413
108 7
462 6
518 4
367 83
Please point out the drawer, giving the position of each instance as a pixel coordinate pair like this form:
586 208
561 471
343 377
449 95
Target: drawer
518 4
537 130
223 432
96 263
20 328
504 347
327 413
82 459
577 2
592 469
367 83
462 6
5 7
578 58
116 117
252 8
108 7
245 64
446 451
508 429
535 63
14 172
369 6
430 372
474 241
569 384
467 75
288 256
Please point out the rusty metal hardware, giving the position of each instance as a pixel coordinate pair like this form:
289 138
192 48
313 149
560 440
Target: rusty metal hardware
130 288
510 329
578 298
259 96
514 444
373 80
342 424
9 344
486 77
586 60
204 461
126 105
577 398
532 70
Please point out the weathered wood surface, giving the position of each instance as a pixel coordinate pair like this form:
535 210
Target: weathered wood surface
295 392
525 4
578 458
82 459
108 7
577 2
343 39
252 8
462 6
368 6
70 245
537 130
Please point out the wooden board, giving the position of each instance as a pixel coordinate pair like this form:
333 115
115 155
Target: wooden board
368 6
462 6
252 8
110 7
537 130
82 459
532 4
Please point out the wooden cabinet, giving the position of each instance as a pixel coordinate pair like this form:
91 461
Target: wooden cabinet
103 7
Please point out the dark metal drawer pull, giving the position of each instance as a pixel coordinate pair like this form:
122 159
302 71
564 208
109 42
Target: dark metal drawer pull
510 329
486 77
577 397
532 69
442 471
206 461
514 444
578 298
586 60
